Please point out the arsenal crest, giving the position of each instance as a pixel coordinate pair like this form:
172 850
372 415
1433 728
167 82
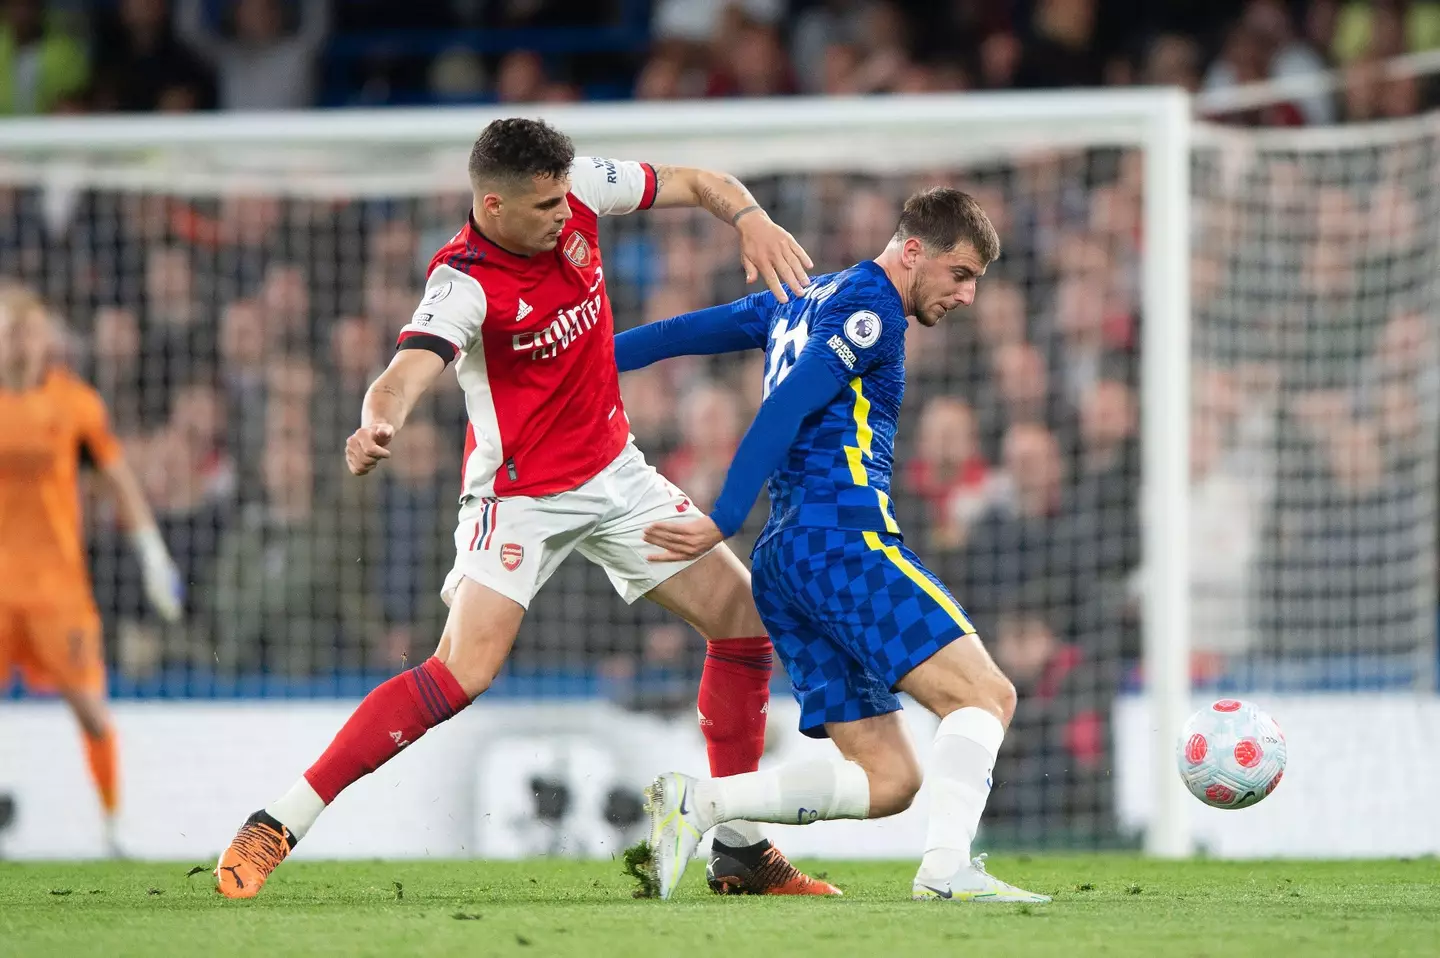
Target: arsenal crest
511 555
577 250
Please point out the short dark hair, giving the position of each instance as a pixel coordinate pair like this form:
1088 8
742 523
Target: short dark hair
942 218
514 150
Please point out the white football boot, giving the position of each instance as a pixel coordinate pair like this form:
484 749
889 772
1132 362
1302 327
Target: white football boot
675 828
972 883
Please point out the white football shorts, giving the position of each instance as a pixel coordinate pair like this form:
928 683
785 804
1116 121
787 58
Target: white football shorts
514 544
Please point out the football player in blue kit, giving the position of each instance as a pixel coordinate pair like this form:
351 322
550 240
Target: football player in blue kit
853 613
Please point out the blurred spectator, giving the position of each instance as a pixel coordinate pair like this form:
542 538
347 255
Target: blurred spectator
142 66
1000 314
357 356
1264 42
1248 57
948 473
1055 763
1062 51
521 78
284 297
1026 544
1018 392
1173 60
191 478
43 68
457 74
116 367
179 338
1229 488
262 62
647 396
699 21
753 64
710 430
290 387
394 253
289 595
1385 28
884 43
867 221
666 76
416 512
246 347
818 30
1106 484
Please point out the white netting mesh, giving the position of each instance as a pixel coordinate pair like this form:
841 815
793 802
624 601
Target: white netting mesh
1315 403
233 322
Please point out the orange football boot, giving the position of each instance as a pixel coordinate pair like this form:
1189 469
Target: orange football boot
261 844
771 874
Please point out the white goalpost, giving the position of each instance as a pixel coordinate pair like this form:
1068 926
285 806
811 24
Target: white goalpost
228 281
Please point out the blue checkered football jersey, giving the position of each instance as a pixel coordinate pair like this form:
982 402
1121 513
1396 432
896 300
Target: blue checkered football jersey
837 473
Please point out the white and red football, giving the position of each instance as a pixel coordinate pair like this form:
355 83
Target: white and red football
1231 754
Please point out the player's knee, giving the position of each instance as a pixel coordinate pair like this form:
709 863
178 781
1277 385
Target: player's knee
990 690
732 615
894 785
1000 697
475 677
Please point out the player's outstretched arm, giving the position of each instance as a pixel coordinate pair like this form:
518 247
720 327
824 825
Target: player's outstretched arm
767 250
705 332
387 404
163 586
809 387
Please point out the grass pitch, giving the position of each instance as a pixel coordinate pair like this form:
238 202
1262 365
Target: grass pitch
1104 905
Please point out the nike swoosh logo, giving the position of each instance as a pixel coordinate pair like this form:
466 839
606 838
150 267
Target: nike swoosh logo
943 893
684 797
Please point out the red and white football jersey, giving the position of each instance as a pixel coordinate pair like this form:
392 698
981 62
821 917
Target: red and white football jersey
535 341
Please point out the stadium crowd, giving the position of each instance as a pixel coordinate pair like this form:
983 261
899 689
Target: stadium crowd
233 339
180 55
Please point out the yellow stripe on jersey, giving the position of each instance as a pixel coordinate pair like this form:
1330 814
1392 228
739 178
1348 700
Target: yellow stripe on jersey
890 524
923 581
857 466
857 454
864 435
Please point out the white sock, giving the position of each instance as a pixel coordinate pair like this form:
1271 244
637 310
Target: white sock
794 794
297 809
959 776
739 834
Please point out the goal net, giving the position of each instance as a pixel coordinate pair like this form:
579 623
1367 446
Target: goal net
232 285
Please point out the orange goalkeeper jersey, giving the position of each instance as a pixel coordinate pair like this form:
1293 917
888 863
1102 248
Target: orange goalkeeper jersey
44 433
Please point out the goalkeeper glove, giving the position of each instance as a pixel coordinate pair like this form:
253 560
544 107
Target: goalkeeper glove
163 586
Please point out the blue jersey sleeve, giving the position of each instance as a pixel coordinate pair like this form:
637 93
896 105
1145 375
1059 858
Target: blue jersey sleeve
853 334
808 388
742 324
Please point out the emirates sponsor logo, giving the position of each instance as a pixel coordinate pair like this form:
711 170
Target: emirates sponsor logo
562 332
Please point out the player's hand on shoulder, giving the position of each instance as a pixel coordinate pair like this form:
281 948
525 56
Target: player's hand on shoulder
683 539
367 446
769 252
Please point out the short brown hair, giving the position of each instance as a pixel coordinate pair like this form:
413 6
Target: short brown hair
517 149
942 218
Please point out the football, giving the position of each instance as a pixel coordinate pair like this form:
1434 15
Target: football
1231 754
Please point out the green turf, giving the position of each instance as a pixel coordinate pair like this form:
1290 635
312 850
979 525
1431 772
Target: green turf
1104 905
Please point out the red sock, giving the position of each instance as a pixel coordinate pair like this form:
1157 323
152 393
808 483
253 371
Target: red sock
733 703
393 715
